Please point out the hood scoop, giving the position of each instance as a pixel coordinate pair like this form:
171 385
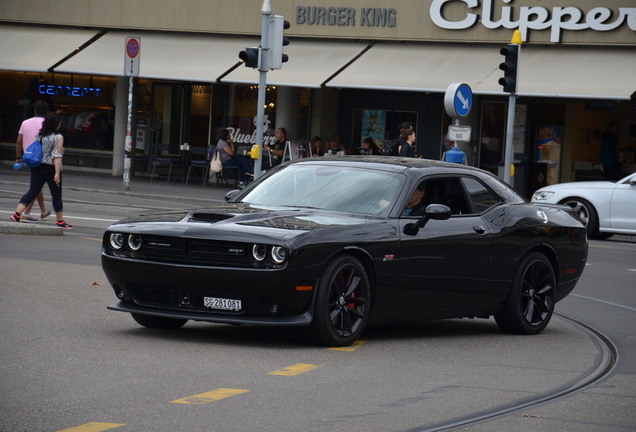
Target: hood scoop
209 217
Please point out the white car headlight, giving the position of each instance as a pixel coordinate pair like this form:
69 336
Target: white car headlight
541 195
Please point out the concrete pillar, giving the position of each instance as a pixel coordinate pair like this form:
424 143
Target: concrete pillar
287 101
121 118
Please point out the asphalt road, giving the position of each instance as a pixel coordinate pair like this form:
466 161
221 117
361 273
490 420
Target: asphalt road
68 363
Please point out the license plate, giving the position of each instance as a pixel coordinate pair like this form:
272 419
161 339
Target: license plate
221 303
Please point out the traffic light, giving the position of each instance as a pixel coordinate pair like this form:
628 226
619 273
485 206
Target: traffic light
251 56
510 67
276 42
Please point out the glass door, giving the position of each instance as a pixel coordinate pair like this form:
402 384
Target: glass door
170 115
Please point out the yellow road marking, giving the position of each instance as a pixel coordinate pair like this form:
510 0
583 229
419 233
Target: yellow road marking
88 238
210 396
296 369
354 346
94 427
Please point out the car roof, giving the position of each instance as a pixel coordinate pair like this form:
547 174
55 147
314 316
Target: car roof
389 163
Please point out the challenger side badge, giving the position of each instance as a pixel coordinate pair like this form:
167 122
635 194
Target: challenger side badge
542 216
388 257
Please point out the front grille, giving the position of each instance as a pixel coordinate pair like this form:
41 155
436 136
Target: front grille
193 252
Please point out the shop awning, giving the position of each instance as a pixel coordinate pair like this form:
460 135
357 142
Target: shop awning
426 68
36 49
590 73
173 56
311 63
600 73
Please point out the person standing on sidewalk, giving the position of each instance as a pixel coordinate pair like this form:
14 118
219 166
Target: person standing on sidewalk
26 135
49 171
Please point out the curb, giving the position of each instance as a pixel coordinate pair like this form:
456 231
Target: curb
27 228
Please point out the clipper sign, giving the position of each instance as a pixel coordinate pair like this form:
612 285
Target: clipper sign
535 18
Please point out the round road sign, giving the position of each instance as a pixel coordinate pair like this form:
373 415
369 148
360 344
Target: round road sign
132 48
458 100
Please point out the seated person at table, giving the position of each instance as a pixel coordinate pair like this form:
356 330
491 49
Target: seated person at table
228 157
416 205
335 145
275 151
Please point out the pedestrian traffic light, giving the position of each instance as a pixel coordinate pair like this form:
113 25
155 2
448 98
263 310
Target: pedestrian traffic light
276 42
251 56
510 67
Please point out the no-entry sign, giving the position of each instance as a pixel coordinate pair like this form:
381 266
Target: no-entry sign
132 56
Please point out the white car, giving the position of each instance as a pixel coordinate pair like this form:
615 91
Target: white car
605 207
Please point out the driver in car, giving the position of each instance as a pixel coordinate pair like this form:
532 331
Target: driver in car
416 205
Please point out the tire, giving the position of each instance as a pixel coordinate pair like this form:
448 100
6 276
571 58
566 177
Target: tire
343 303
530 304
151 321
588 215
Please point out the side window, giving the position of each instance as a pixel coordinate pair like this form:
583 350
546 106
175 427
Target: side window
480 196
447 191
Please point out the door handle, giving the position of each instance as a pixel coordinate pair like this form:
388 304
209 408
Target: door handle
479 229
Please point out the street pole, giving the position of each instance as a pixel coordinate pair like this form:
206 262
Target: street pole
128 143
510 123
266 11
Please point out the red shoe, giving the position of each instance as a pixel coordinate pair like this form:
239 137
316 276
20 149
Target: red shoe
15 217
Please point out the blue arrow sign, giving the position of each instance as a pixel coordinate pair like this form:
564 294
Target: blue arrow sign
463 100
458 100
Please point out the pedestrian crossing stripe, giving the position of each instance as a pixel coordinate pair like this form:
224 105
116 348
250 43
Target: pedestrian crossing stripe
210 396
94 427
296 369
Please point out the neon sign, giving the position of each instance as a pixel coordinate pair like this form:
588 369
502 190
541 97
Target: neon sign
69 91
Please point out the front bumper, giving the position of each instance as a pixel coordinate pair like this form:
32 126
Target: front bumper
178 291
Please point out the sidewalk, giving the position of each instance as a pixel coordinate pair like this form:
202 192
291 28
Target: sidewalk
14 183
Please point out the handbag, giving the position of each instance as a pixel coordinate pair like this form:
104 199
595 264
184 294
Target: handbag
33 154
216 166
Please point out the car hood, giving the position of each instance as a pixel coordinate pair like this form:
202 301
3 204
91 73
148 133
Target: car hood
235 221
579 186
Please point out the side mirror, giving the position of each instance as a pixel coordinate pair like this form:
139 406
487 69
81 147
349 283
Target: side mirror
231 194
438 212
433 211
632 181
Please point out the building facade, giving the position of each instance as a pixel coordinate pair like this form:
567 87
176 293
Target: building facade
357 68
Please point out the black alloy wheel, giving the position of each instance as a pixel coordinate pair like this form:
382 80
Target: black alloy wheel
530 303
151 321
342 303
587 213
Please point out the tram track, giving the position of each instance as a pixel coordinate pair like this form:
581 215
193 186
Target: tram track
605 363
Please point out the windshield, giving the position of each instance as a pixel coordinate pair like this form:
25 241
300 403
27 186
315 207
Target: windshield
343 189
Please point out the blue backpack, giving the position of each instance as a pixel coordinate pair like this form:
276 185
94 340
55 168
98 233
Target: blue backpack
33 154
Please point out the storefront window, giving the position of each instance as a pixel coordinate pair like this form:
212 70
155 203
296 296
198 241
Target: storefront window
84 102
376 124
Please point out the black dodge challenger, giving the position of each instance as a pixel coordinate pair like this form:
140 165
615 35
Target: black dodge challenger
325 243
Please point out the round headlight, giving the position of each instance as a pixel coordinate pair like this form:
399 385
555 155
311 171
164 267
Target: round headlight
134 242
116 240
279 254
259 252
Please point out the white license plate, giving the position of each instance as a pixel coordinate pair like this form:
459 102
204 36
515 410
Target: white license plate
221 303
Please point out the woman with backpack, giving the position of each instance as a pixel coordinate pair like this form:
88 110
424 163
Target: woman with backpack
49 171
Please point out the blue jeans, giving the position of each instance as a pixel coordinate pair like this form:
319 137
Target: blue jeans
242 164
